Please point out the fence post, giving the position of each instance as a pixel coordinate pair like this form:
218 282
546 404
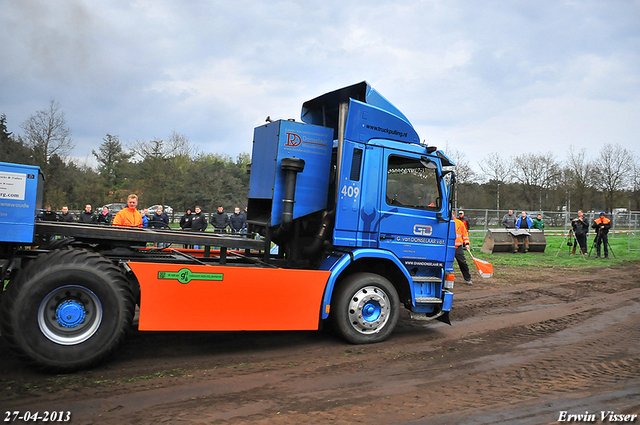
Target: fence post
486 219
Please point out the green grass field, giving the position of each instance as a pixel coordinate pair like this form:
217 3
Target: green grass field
619 243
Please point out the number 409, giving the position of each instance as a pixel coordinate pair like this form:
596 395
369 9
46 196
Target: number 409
350 191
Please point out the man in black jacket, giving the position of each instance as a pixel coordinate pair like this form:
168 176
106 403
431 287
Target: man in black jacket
87 216
237 221
220 221
66 216
48 215
159 220
199 221
580 227
185 221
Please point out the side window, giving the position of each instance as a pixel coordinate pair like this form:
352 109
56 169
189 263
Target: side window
412 184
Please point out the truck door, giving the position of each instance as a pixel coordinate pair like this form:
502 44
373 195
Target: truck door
412 198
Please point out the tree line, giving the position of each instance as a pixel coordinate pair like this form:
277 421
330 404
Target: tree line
166 171
170 171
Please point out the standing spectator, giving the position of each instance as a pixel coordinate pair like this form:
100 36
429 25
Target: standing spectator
509 220
538 223
199 221
87 216
602 225
129 216
462 243
185 221
159 220
48 215
105 216
524 221
463 219
66 216
145 217
237 221
220 221
580 228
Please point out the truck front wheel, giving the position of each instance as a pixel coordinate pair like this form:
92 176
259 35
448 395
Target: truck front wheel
67 310
365 308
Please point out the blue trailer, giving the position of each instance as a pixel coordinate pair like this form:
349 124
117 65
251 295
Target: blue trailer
359 209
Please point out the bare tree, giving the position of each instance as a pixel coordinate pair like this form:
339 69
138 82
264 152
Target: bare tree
495 168
536 174
179 145
464 172
47 134
580 171
163 164
613 170
497 171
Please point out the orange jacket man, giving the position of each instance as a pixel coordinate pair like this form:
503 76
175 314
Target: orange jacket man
462 235
462 241
602 225
129 216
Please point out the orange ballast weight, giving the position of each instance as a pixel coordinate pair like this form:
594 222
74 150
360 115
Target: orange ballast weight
179 297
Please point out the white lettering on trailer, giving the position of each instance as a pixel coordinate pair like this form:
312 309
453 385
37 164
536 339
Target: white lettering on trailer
12 185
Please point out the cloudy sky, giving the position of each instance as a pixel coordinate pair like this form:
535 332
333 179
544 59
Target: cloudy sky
477 76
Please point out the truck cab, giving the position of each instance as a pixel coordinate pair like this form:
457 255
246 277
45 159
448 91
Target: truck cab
382 200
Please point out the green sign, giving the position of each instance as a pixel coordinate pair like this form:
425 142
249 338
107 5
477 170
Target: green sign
186 276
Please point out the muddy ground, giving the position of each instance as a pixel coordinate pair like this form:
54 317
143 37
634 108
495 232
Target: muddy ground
524 347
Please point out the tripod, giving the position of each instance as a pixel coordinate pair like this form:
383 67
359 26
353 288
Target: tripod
575 242
596 242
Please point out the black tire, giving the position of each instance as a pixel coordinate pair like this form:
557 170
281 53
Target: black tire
67 310
57 244
365 308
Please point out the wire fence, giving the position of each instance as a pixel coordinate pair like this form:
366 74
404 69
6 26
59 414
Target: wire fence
481 220
560 220
623 224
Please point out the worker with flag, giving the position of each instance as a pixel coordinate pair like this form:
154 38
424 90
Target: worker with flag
462 242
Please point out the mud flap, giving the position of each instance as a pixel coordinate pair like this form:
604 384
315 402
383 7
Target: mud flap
444 318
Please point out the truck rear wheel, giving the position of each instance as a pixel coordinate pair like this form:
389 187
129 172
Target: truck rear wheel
67 310
365 308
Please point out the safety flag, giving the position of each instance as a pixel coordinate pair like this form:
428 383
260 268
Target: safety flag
485 268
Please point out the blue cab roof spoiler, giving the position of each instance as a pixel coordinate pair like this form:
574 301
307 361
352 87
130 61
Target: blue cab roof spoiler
323 110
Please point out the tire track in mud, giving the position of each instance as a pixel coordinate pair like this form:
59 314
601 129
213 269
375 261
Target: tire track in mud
592 363
463 310
575 367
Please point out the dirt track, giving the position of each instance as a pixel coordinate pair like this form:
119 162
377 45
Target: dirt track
523 347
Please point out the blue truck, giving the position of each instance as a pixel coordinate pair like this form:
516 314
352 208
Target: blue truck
358 209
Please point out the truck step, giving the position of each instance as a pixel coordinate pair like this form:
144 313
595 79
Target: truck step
424 317
428 300
435 279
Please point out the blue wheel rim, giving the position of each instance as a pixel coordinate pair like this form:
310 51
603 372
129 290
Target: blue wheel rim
70 315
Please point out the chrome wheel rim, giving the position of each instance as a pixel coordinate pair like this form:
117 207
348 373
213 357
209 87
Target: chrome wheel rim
69 315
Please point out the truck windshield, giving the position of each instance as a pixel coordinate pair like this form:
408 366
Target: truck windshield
410 184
